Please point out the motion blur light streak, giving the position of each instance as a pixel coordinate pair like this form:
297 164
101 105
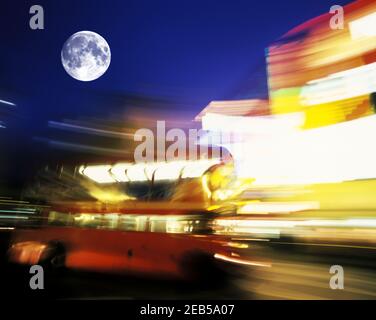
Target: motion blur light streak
86 148
77 128
268 125
13 217
137 172
235 108
238 261
328 154
277 207
8 103
16 211
194 169
354 223
169 171
9 200
257 223
340 86
118 172
364 27
339 232
100 173
325 73
127 172
237 245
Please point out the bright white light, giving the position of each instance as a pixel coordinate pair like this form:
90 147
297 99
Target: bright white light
341 85
169 170
194 169
277 207
352 223
118 171
364 27
250 225
256 223
126 172
261 124
241 261
137 172
340 152
7 102
100 173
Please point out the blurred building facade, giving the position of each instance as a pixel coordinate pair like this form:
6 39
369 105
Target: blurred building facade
322 89
328 74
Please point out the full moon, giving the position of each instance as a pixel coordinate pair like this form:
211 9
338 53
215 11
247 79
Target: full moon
86 56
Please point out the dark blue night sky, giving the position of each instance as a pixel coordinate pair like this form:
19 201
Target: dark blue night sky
189 52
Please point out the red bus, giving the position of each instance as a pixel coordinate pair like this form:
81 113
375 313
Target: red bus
171 236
